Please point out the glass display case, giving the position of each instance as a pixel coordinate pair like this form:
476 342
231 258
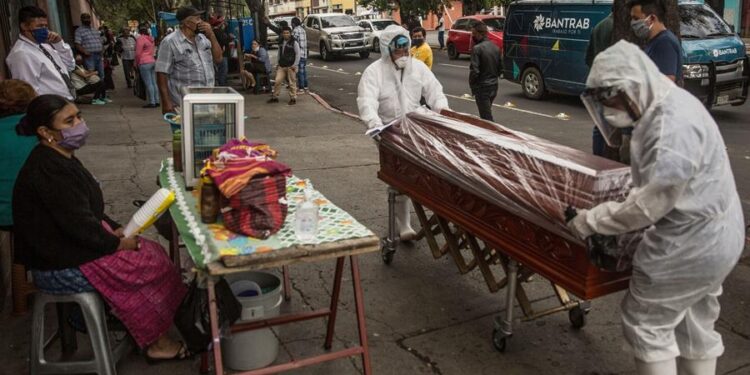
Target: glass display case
211 116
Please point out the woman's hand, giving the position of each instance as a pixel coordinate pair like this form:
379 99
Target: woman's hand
120 232
128 243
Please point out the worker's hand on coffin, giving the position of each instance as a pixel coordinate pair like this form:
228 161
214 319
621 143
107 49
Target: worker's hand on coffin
579 226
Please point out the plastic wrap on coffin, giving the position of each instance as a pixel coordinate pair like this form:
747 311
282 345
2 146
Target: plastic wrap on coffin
506 187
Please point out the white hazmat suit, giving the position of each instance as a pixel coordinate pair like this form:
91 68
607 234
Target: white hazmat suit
386 93
684 195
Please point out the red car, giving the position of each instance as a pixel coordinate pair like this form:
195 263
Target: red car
459 36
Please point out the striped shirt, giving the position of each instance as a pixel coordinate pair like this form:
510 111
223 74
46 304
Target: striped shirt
299 35
89 39
186 63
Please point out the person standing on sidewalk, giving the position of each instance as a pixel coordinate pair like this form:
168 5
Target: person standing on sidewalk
40 57
484 70
186 58
421 50
144 60
298 33
286 70
222 68
662 45
441 31
126 47
392 87
88 42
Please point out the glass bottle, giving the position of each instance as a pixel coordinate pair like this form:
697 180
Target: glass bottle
210 200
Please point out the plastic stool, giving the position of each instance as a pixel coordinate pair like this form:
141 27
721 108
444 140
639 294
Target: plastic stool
105 357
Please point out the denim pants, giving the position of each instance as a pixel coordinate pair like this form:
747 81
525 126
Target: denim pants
222 69
484 96
302 73
94 62
441 38
148 75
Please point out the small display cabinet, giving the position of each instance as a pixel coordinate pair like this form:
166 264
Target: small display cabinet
211 116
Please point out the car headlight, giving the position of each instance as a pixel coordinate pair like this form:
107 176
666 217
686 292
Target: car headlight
335 36
741 66
694 71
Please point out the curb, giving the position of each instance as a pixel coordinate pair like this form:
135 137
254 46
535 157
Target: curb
325 104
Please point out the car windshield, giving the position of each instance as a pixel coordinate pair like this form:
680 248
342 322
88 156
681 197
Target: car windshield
337 21
494 24
381 25
699 21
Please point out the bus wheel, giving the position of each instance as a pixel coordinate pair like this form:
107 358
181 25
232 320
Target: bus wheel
532 83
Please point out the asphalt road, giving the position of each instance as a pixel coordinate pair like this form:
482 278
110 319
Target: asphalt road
559 118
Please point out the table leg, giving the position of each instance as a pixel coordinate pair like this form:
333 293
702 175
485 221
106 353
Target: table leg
334 302
360 306
287 283
214 318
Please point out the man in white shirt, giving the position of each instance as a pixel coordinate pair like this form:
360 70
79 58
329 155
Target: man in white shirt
441 31
40 57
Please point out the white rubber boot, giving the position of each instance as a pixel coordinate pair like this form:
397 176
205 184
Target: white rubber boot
403 219
696 366
668 367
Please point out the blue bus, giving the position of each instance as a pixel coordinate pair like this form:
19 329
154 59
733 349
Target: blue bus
545 44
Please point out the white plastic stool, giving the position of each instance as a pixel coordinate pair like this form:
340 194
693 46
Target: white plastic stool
105 357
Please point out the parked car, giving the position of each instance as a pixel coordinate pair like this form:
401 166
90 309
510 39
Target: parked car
332 34
546 52
376 27
272 39
459 36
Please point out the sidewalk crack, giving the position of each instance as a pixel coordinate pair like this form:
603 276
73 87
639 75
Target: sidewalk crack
432 365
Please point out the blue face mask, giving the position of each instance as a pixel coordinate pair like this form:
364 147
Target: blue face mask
40 35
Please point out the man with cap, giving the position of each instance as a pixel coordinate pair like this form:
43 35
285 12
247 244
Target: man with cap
186 58
222 68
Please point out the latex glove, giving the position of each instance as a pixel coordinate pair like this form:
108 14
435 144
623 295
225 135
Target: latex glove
579 226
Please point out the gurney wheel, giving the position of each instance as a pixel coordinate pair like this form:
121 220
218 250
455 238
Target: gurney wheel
577 317
388 256
499 340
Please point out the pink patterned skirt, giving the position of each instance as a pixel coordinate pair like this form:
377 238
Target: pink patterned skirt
143 288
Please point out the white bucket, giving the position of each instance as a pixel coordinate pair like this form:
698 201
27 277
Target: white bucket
259 348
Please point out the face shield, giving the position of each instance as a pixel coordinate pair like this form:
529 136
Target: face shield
594 100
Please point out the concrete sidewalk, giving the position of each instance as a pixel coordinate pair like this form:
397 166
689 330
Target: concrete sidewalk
422 316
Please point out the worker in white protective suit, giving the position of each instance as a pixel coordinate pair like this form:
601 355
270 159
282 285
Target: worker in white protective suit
684 199
392 87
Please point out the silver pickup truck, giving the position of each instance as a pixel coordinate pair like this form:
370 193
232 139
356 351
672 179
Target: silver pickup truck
332 34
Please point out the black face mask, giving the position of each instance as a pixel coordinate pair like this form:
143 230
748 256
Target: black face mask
417 42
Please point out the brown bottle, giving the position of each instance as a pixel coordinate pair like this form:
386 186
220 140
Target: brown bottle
210 200
177 151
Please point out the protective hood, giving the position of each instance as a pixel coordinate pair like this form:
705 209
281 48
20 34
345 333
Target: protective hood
387 35
629 69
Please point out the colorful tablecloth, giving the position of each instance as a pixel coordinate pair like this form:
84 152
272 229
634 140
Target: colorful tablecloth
208 242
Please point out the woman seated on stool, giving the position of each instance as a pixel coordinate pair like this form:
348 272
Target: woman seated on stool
71 246
88 82
256 62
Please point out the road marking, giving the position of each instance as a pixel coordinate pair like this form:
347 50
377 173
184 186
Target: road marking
509 108
329 70
455 66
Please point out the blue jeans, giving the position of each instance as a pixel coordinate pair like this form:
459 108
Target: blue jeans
302 74
148 75
441 38
222 69
94 62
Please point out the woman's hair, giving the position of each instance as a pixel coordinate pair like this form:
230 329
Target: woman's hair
15 96
42 111
143 31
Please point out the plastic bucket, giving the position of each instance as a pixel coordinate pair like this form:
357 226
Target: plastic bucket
260 296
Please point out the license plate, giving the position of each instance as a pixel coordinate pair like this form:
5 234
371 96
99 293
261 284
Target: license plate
353 44
722 99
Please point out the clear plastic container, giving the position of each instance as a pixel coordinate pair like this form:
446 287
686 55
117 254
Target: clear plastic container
306 219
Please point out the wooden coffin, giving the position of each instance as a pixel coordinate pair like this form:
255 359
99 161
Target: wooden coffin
508 188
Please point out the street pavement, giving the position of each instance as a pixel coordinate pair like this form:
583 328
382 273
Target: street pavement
423 317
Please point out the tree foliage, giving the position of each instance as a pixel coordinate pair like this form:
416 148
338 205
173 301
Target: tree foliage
118 13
